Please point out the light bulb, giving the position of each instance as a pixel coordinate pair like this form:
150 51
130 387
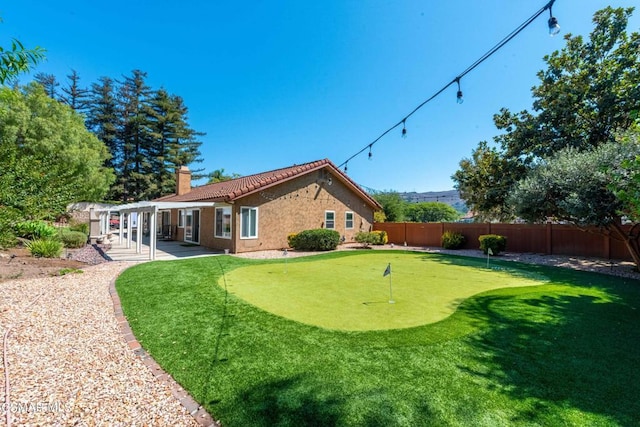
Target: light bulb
554 28
459 98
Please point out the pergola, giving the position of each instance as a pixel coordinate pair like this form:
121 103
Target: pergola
140 208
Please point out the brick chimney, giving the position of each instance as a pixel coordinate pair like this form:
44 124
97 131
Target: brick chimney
183 180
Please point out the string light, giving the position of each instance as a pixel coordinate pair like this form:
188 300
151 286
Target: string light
553 24
370 153
459 98
554 27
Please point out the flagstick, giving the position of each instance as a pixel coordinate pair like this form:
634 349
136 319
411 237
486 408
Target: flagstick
488 255
391 301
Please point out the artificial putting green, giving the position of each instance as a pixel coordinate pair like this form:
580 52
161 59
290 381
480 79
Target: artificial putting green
349 293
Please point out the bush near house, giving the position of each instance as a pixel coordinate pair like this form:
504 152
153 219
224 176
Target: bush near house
496 242
452 240
73 239
35 230
44 248
378 237
290 239
319 239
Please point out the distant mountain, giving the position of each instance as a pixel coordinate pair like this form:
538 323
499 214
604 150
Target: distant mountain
451 197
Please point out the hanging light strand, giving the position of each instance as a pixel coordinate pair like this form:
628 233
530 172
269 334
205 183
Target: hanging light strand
456 80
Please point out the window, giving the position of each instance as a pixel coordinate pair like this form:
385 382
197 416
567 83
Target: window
348 220
329 219
223 222
248 223
181 218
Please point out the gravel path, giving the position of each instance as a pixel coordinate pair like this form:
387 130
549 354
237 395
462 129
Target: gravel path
68 363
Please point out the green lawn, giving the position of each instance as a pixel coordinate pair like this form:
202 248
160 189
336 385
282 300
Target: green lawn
564 352
350 293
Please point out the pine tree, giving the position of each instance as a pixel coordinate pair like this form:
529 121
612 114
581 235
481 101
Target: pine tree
135 136
103 121
49 83
174 142
73 95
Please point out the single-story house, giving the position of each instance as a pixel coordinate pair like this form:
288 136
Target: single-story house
258 212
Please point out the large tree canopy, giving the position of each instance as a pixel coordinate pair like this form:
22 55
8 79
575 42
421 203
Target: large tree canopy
576 187
562 160
48 158
589 93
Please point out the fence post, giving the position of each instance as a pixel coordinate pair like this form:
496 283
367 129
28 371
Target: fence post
549 238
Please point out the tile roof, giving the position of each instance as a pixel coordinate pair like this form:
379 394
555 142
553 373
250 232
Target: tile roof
233 189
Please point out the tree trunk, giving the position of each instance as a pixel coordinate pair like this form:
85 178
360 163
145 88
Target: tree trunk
630 240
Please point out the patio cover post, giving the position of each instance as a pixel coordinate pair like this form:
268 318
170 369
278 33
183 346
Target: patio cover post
153 236
120 227
140 221
129 230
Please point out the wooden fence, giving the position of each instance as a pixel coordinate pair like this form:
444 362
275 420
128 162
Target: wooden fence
550 239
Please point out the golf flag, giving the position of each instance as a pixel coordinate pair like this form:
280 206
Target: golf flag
387 271
489 251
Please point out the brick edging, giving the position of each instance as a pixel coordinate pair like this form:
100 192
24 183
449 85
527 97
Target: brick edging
199 414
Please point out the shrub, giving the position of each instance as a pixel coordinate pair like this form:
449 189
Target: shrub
378 237
381 237
496 242
319 239
82 227
365 238
73 239
35 230
8 218
452 240
44 248
291 238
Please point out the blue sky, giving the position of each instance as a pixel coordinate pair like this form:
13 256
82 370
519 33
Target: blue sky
286 82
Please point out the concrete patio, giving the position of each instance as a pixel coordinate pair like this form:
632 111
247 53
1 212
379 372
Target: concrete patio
165 250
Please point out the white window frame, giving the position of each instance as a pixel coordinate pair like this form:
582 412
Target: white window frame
248 236
346 220
333 220
223 209
180 218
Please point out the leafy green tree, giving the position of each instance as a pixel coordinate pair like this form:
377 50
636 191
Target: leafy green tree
626 179
393 205
17 59
47 157
431 212
589 92
218 175
574 186
484 182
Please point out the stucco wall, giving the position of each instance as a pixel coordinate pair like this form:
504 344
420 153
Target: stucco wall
300 205
287 208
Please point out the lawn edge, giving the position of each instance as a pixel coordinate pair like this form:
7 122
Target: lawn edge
197 411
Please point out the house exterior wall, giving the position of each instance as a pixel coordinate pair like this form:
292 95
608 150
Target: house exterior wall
289 207
298 205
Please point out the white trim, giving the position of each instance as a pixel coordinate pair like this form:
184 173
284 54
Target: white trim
191 211
326 220
353 220
251 208
215 222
